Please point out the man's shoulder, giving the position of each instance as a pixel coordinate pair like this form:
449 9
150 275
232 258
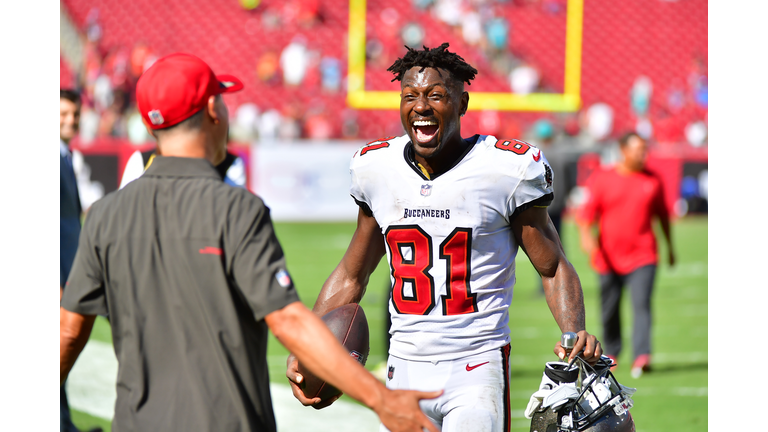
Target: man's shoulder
510 156
380 150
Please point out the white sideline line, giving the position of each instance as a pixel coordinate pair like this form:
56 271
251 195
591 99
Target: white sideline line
91 389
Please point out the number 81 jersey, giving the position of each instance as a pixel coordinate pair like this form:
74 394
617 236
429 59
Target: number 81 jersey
450 247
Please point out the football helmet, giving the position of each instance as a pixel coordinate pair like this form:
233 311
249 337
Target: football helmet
581 397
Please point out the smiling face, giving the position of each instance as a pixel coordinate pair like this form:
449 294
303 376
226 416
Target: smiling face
70 119
431 104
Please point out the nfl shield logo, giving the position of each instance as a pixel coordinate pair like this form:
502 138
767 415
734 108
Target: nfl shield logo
391 373
283 278
155 117
426 190
357 356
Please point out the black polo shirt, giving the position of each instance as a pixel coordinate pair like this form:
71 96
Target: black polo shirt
187 267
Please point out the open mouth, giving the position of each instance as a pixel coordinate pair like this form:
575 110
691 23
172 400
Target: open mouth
425 130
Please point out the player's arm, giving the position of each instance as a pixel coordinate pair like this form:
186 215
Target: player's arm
345 285
538 238
74 330
305 335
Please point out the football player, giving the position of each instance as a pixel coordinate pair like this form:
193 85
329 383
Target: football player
450 213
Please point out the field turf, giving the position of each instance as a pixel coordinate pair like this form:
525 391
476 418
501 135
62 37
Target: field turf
673 397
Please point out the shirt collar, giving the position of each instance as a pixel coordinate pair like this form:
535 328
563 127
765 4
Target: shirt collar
163 166
63 148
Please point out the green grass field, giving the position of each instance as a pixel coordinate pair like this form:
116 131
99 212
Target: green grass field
671 398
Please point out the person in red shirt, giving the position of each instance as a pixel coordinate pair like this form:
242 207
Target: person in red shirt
622 202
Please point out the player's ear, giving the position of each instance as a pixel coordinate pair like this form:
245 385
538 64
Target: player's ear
210 108
464 103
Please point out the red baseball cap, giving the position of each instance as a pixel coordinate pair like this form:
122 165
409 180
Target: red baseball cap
177 86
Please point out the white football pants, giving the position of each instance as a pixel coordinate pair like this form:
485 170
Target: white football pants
476 396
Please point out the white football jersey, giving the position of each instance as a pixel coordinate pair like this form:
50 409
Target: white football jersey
449 242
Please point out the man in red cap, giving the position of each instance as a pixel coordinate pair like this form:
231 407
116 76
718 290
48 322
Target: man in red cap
191 274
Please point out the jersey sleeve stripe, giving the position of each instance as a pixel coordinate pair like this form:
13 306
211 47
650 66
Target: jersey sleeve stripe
542 201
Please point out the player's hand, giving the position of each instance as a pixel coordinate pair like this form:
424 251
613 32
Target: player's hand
588 243
295 378
589 343
671 258
399 411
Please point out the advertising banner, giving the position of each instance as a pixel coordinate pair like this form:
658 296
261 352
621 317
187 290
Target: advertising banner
305 181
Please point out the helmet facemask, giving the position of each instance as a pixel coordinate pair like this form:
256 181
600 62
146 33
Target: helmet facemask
580 397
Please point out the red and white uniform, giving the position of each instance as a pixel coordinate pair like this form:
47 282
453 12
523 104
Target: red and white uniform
451 253
449 242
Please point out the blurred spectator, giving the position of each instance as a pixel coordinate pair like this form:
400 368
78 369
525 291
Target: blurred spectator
244 128
102 92
90 190
644 128
269 125
571 127
472 28
93 25
374 53
89 125
290 125
412 34
330 72
675 96
349 127
317 126
140 59
137 131
448 11
294 61
640 95
497 32
696 133
267 67
599 118
524 79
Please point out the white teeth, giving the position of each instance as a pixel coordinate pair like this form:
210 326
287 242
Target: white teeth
424 123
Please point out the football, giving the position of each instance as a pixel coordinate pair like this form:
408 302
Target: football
349 325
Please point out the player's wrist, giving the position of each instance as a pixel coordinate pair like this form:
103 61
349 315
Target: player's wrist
374 399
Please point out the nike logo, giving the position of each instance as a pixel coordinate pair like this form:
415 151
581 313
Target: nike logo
469 368
210 250
536 157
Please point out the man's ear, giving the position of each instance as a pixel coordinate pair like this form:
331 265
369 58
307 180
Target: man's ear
149 129
211 109
464 102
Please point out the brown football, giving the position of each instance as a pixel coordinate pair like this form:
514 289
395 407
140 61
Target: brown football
350 327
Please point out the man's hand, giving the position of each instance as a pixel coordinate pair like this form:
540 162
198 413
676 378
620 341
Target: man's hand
588 241
295 379
592 348
399 411
671 258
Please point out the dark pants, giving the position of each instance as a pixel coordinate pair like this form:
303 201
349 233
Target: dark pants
66 419
640 284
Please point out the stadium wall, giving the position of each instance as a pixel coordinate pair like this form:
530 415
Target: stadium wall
309 180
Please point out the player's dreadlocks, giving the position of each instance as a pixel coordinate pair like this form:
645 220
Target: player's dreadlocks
438 57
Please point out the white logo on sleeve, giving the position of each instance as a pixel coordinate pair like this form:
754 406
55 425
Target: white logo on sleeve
283 278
